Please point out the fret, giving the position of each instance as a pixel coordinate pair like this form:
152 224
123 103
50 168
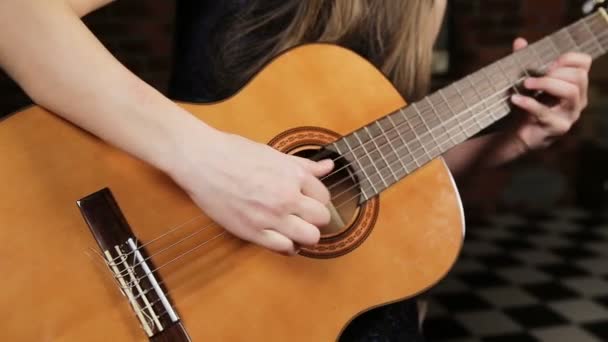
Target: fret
498 77
541 50
427 138
427 112
511 80
483 85
521 66
413 149
414 121
424 136
409 152
568 35
368 155
405 132
358 162
603 37
580 35
381 142
349 161
539 60
435 125
496 92
380 147
386 138
553 46
460 107
410 121
593 37
477 115
395 150
441 110
456 118
531 60
600 25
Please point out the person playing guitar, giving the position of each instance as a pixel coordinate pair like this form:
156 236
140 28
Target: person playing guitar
259 194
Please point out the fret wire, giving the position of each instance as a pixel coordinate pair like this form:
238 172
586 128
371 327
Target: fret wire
368 155
521 66
460 96
569 36
416 133
379 150
428 128
390 142
513 85
454 115
347 201
483 103
491 84
441 121
542 46
499 108
358 162
586 25
552 43
463 100
582 34
535 53
408 123
438 118
407 147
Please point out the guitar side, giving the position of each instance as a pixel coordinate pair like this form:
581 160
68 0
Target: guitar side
58 289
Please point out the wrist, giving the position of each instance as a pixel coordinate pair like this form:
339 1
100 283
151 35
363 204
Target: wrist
189 140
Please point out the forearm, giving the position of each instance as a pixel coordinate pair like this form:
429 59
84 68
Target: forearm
47 49
491 150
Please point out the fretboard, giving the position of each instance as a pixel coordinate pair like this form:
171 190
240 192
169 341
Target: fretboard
387 150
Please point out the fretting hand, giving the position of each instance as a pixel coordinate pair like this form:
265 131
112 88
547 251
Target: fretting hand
567 80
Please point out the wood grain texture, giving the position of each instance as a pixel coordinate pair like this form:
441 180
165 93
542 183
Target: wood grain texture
58 290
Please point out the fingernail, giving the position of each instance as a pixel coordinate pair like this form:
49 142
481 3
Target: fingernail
517 98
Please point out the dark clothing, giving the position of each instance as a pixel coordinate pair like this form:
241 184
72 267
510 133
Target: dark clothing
193 80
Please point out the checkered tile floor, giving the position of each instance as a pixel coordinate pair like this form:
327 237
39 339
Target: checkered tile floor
526 278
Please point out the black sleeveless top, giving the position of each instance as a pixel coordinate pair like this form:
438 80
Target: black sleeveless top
196 21
192 80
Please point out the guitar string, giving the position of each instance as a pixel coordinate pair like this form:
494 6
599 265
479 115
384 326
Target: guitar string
210 225
513 66
389 166
594 21
337 207
389 141
206 242
187 252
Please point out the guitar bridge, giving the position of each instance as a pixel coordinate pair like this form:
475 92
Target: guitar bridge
131 267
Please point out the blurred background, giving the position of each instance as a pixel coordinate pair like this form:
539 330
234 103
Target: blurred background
535 262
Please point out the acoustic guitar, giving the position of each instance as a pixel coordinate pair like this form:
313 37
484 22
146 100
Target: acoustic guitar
98 246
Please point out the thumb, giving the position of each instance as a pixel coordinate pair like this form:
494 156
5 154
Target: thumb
318 169
519 44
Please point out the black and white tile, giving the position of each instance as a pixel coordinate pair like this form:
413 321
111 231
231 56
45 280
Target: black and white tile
541 277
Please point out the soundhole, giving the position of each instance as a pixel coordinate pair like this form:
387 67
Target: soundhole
344 190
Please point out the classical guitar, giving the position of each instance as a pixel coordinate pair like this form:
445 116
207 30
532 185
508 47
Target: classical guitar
98 246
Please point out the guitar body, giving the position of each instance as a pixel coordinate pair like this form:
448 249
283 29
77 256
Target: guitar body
55 287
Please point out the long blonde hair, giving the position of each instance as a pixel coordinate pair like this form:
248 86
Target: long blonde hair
395 35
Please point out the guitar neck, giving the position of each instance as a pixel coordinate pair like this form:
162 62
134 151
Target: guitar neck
389 149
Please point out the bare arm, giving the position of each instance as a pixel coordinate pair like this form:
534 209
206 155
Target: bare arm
47 49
